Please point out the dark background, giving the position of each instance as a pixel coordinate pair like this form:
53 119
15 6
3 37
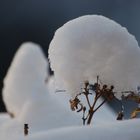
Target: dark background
37 20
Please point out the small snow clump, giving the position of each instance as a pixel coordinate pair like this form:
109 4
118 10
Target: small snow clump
25 78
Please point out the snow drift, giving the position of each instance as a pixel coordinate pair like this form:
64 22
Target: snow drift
30 97
124 130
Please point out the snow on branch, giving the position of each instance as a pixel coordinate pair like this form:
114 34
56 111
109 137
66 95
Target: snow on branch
94 46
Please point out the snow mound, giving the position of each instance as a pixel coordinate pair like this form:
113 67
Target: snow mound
124 130
91 46
29 95
25 79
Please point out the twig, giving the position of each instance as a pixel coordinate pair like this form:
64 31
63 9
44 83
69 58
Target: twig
100 105
88 101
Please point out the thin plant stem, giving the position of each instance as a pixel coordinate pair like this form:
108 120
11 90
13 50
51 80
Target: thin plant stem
88 101
91 112
100 105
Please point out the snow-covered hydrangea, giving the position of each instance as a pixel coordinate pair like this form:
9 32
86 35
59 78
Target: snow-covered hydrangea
25 79
94 45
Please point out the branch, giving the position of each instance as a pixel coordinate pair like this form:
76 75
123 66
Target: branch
96 98
100 105
88 101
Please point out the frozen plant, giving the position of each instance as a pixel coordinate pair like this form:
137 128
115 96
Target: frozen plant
94 46
88 90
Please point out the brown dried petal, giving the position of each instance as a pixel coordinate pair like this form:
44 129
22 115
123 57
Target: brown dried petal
135 113
74 104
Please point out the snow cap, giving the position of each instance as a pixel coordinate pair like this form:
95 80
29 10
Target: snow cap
91 46
25 78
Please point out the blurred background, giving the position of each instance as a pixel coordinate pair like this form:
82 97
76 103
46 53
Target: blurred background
37 20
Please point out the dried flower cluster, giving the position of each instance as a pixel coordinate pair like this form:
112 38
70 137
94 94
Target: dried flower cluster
98 91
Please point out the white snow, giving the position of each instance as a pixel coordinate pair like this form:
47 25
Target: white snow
87 46
121 130
29 98
25 77
124 130
27 95
94 45
3 117
34 101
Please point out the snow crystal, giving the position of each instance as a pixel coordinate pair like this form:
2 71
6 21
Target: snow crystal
94 45
25 79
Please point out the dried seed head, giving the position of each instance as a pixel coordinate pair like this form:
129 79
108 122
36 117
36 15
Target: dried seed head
74 104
